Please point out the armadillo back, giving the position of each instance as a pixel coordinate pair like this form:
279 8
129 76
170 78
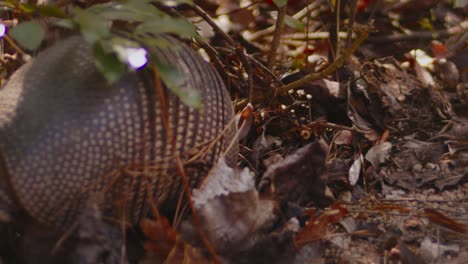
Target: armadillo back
66 135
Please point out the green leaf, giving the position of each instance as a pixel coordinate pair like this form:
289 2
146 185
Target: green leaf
133 11
51 11
64 23
280 3
28 34
176 2
181 27
9 4
27 8
293 23
93 27
108 63
174 81
187 2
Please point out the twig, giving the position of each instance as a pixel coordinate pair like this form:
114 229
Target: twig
231 42
334 30
277 36
237 9
312 10
311 35
13 45
214 57
213 24
417 35
352 18
413 36
196 220
362 33
326 124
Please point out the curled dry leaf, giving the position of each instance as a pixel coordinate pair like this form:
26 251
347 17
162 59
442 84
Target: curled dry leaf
229 208
343 137
454 131
364 111
318 228
448 73
245 121
391 83
355 171
300 175
378 153
349 223
421 163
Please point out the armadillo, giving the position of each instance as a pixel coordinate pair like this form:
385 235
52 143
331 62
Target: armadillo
66 134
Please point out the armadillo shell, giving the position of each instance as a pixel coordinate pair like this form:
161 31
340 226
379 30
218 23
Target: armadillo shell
66 136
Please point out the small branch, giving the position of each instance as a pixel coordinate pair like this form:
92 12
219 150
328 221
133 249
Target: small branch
215 58
196 220
236 47
418 35
13 45
213 24
413 36
311 35
277 36
362 33
352 18
326 124
311 10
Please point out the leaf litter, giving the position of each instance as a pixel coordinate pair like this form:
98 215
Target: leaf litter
368 164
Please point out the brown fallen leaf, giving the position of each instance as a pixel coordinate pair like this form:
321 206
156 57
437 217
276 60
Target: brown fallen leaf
229 208
318 228
300 175
442 220
165 245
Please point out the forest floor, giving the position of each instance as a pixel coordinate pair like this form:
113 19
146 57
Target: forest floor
386 177
354 127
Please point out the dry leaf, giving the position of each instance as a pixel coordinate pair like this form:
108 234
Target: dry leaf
442 220
378 154
229 207
318 228
355 171
300 175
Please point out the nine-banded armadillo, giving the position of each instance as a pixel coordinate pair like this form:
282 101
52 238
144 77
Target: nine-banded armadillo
66 135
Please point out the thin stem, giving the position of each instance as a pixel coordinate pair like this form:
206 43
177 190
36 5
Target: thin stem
362 32
277 36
